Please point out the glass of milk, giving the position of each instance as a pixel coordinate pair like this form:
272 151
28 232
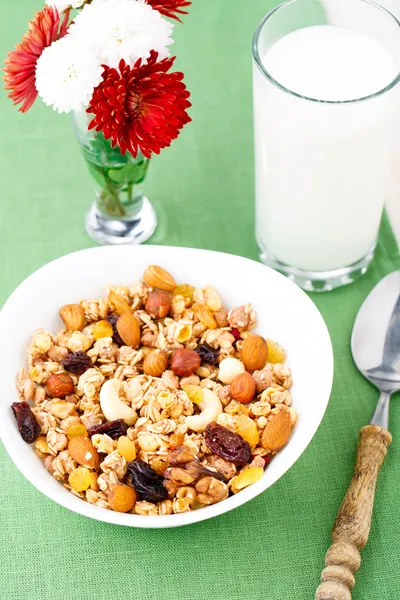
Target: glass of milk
325 87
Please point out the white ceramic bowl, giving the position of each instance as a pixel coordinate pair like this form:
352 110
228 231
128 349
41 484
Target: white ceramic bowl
284 312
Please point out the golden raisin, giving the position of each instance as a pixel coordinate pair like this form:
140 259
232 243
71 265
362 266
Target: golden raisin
80 479
102 329
122 498
126 448
76 430
194 392
276 354
185 290
204 315
247 429
246 478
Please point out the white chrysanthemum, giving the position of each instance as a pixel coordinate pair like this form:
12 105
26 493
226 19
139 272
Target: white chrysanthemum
66 75
116 29
63 4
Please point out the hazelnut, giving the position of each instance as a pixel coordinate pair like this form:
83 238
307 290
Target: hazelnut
243 388
158 305
155 363
73 316
229 368
59 386
185 362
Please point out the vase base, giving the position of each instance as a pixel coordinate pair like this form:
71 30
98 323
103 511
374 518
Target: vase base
135 230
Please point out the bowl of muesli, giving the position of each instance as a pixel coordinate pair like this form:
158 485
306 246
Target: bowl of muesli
159 386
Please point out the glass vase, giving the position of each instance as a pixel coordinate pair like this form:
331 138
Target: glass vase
120 213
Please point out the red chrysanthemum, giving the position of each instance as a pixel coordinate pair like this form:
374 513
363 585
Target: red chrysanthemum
20 67
141 107
170 8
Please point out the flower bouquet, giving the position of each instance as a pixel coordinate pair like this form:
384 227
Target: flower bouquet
107 62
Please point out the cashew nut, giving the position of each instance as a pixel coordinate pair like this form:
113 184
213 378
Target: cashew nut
112 407
210 406
229 368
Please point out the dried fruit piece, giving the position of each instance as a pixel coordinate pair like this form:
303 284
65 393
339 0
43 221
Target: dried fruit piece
254 352
27 424
155 363
59 386
113 319
236 333
276 354
76 430
113 429
158 305
102 329
73 316
229 368
146 482
83 452
227 444
185 362
126 448
243 388
80 479
185 290
277 431
194 392
129 330
204 315
77 362
247 429
184 333
207 353
120 304
122 498
246 478
159 278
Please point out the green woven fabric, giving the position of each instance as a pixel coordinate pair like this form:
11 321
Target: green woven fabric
273 547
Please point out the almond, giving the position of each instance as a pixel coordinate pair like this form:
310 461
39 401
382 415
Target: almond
277 431
243 388
185 362
83 452
129 329
155 363
73 316
158 305
159 278
254 352
59 386
119 303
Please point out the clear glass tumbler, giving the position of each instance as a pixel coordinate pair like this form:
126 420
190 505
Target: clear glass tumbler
325 77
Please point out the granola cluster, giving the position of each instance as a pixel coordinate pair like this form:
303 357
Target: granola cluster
155 399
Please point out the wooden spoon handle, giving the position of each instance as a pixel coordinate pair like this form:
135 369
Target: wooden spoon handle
351 530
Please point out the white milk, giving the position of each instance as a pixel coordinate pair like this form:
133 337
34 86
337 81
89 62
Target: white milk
322 170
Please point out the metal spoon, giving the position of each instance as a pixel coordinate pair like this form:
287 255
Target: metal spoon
375 345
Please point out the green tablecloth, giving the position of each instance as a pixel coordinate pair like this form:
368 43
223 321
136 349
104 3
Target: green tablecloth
272 548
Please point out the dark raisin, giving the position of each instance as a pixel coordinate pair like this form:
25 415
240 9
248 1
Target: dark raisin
28 426
195 469
207 353
114 429
77 362
227 444
236 333
148 485
112 319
